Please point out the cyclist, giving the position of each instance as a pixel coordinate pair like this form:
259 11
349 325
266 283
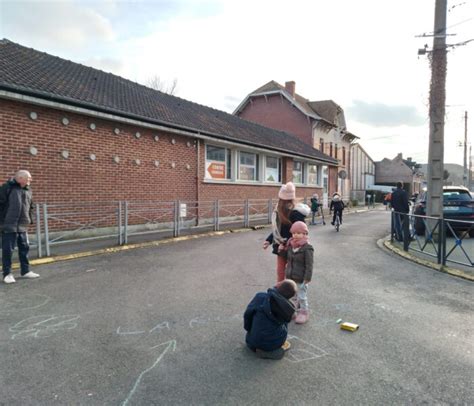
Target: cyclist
338 206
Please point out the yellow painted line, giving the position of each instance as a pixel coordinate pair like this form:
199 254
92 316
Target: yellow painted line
429 264
67 257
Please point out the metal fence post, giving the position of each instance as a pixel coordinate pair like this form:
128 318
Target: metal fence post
119 222
441 242
270 210
175 217
178 217
216 215
246 213
46 231
125 223
38 229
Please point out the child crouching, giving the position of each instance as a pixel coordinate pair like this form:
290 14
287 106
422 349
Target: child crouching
266 320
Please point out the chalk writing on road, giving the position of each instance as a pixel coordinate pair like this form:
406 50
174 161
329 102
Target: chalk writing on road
303 351
34 301
167 346
43 326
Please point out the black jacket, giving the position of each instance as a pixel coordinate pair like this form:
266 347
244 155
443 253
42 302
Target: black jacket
295 215
400 201
16 207
266 320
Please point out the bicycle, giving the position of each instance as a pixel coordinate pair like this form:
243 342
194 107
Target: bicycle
337 221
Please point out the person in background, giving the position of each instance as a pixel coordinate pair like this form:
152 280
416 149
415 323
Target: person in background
285 214
401 207
337 205
16 214
314 207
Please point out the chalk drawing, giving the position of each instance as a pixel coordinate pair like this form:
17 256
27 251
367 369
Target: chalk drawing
128 332
197 321
159 326
303 351
169 345
43 326
30 302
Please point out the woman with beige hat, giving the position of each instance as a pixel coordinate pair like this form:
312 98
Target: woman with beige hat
286 213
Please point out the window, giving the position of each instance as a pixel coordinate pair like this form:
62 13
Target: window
272 169
335 151
343 155
217 162
321 145
330 149
325 179
298 172
312 174
248 166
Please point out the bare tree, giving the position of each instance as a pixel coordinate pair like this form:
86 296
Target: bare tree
157 83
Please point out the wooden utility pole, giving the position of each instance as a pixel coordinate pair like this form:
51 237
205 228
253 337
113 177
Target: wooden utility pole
434 204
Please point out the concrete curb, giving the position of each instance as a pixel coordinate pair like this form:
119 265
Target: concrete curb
385 243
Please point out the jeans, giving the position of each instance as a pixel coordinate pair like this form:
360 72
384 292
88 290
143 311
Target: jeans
334 216
312 220
9 241
302 296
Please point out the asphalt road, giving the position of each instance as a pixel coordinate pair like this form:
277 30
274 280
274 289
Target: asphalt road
163 326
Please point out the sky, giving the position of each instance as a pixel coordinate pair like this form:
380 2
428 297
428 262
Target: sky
361 54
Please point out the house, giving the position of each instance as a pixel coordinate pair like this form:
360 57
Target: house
362 172
390 171
88 135
320 124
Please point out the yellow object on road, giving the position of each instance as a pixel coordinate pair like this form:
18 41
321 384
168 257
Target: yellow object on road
349 326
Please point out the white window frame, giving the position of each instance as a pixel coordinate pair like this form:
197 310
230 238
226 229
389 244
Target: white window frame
278 169
255 166
302 172
227 175
316 180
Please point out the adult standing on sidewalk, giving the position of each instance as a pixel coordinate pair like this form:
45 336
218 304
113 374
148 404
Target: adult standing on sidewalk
285 214
16 214
401 207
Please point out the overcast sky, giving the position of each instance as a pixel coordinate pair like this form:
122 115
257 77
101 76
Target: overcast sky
361 54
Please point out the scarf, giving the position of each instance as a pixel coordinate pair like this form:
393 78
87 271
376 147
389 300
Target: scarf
298 243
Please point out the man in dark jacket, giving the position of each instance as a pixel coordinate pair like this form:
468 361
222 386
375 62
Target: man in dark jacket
401 207
16 213
266 320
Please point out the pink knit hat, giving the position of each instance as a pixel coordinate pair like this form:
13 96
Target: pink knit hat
299 227
287 192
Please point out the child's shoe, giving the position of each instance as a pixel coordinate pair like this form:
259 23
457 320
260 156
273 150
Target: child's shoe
276 354
303 317
286 346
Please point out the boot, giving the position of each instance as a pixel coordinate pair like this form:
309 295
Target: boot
303 317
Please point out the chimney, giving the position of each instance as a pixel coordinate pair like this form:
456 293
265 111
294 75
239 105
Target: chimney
290 88
409 159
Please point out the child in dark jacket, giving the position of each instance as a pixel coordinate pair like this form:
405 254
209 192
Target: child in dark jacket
338 206
266 320
299 268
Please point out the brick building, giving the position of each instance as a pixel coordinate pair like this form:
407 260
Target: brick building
320 124
87 135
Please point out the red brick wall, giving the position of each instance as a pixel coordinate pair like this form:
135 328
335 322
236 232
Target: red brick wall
77 178
277 112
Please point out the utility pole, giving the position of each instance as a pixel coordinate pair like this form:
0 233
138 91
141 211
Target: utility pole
434 204
465 177
471 186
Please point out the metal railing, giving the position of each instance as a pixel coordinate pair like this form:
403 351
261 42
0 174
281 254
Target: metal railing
443 239
118 222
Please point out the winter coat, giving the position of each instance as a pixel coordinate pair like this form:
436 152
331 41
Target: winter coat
314 204
266 320
400 201
336 205
299 213
300 263
16 207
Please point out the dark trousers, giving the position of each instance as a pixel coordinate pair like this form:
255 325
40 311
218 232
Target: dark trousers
334 215
9 241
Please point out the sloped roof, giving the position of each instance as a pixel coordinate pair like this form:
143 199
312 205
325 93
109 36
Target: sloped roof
327 109
29 72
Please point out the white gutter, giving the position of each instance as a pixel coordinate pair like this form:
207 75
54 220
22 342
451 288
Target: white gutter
112 117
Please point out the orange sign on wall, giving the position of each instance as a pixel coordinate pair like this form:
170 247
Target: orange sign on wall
216 170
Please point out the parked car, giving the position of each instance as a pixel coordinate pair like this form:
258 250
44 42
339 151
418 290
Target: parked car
458 204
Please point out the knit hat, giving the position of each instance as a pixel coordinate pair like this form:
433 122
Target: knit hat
299 227
287 192
336 197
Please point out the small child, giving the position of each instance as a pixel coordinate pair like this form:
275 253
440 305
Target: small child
314 207
266 320
299 268
338 206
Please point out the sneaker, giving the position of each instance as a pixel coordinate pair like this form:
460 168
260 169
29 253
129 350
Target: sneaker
286 346
30 275
332 223
302 317
276 354
9 279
